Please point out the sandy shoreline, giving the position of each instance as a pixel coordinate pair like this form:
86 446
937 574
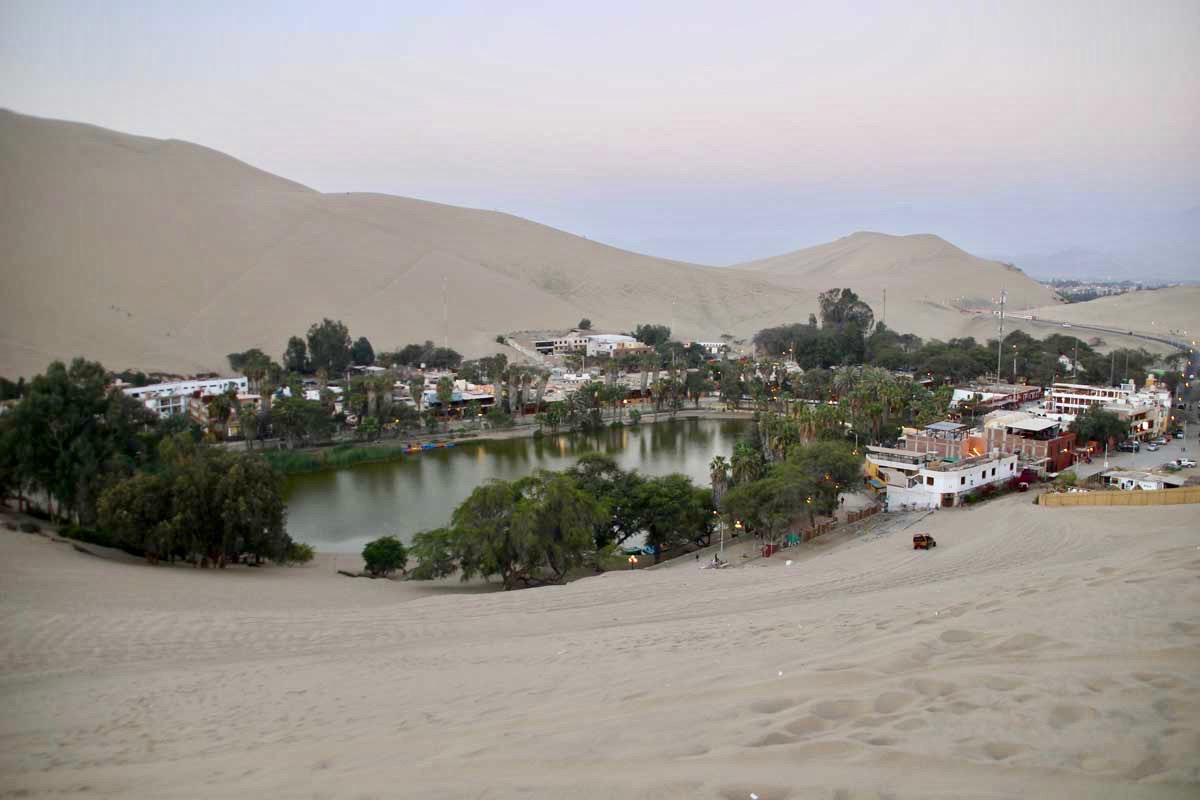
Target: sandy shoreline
1051 652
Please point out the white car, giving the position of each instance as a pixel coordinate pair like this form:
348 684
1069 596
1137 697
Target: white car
1152 446
1185 463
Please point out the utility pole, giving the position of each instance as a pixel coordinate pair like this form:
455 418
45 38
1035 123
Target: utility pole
1112 369
1000 344
883 317
1075 363
445 316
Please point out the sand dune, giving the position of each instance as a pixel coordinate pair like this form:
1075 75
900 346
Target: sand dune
1035 652
1160 312
164 255
167 255
928 281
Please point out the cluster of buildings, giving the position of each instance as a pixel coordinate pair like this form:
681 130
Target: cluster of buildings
1023 432
1148 410
608 344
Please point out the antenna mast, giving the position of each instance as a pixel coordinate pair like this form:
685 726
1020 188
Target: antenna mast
1000 344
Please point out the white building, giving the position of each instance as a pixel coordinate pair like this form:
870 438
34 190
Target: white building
170 399
712 348
608 343
1147 411
923 480
571 343
1130 480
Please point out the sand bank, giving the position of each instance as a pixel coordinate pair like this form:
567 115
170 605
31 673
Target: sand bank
1035 652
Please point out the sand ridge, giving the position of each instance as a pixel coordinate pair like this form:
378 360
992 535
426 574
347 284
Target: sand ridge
1036 650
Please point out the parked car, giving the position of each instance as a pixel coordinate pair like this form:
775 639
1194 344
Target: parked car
1153 446
1179 433
1161 440
923 541
1129 447
1184 463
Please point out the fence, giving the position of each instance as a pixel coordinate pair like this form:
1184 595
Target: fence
855 516
1155 497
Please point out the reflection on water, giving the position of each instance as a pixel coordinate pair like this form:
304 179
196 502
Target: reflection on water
341 511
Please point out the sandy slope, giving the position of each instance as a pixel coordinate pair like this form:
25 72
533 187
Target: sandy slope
927 280
164 254
1161 312
1035 652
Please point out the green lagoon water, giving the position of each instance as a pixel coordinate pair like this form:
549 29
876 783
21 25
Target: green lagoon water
339 511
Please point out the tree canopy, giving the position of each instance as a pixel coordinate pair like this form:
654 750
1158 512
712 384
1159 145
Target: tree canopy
1097 425
361 353
329 346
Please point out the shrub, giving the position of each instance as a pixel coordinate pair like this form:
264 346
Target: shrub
12 526
385 555
300 553
30 527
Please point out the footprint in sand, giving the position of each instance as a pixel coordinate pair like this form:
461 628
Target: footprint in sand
1001 684
1065 716
956 636
1158 681
771 706
806 726
772 739
1151 765
891 702
910 724
934 688
998 751
837 709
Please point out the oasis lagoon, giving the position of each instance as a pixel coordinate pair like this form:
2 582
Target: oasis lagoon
340 511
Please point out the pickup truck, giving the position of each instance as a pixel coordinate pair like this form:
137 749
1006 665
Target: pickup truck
1182 463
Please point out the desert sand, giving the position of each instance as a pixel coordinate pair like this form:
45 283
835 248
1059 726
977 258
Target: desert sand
163 255
1159 312
1035 653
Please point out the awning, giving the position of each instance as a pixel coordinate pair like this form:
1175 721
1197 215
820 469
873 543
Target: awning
876 483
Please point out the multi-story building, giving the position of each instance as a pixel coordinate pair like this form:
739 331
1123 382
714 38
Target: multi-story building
1147 411
571 343
170 399
1041 443
923 480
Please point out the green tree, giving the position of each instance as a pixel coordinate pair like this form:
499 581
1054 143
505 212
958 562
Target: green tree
361 353
434 552
653 335
673 511
384 556
585 324
445 395
295 357
1097 425
329 346
71 437
202 503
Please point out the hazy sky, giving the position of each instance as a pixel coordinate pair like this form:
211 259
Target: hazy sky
713 132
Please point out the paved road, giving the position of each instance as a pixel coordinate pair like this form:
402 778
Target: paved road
1187 447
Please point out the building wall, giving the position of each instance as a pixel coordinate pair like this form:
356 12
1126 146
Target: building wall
1058 450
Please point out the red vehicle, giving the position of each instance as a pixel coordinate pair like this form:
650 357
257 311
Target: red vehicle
923 541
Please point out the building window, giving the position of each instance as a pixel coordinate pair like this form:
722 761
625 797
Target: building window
962 481
928 481
993 472
1010 467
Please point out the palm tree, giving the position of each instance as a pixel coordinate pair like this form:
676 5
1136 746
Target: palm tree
543 379
416 388
746 463
718 471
